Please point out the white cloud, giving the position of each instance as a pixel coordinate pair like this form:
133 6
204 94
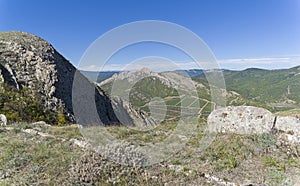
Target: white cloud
254 60
234 64
267 63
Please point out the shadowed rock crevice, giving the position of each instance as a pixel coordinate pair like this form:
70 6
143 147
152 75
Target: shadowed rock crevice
7 77
274 123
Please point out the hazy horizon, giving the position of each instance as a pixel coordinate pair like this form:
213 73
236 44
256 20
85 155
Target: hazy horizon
92 68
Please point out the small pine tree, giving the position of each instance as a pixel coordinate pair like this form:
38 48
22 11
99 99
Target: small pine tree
61 120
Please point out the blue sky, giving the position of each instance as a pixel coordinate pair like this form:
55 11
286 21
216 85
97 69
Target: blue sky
241 33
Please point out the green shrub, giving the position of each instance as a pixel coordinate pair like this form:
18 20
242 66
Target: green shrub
61 120
24 105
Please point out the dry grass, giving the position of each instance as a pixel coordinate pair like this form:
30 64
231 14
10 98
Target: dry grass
35 160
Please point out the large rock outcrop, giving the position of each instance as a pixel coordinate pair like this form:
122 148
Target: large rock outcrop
241 120
29 61
254 120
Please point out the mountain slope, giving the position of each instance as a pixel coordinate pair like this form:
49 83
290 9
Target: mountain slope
166 93
277 89
28 62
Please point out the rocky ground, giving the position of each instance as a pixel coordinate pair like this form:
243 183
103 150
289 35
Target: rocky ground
39 154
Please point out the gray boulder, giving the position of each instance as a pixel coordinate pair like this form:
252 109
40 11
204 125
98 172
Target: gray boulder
253 120
288 124
241 120
289 129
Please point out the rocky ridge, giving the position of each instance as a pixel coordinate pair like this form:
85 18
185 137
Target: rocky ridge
27 61
170 79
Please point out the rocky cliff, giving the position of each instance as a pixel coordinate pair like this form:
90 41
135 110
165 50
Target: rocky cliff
27 61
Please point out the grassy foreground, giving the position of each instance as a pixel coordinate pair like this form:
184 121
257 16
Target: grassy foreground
49 156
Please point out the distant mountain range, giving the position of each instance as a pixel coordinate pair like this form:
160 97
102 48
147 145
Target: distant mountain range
103 75
273 89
